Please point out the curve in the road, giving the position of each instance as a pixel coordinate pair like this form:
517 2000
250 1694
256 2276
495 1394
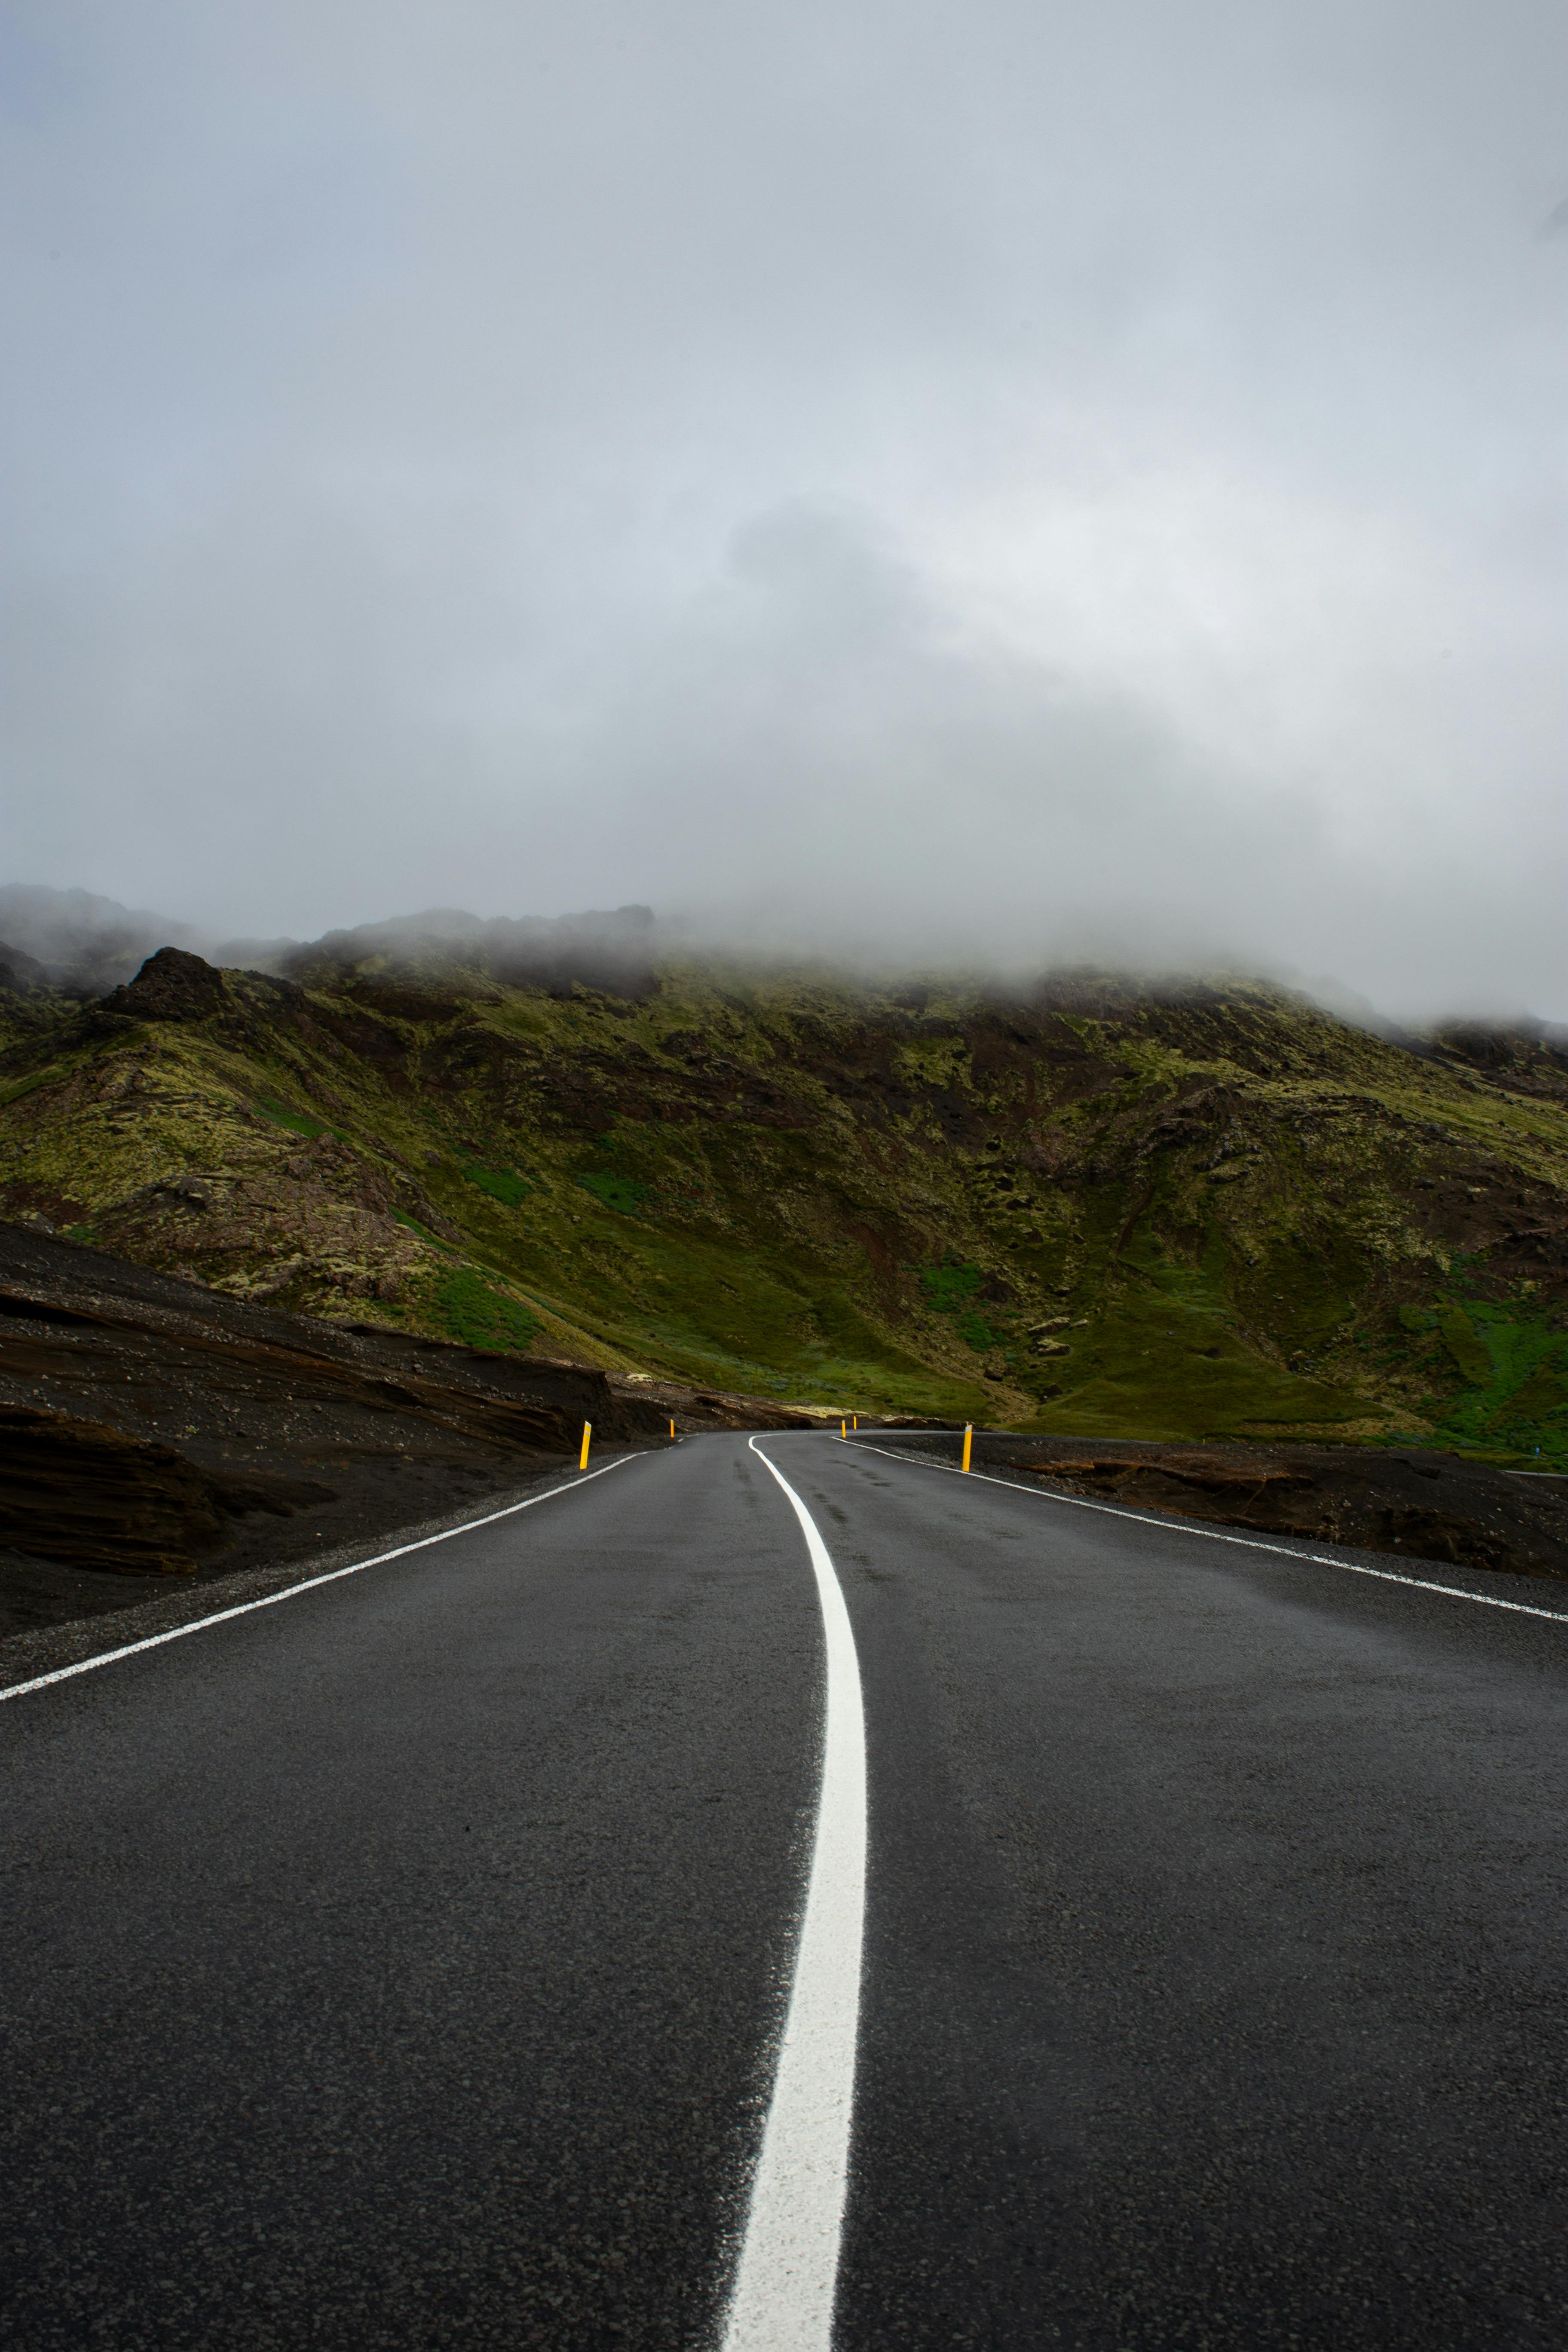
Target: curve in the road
410 1977
787 2274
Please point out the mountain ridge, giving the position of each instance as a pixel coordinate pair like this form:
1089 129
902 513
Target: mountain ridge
1098 1203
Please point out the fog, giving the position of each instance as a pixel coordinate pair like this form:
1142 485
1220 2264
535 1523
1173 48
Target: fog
1021 480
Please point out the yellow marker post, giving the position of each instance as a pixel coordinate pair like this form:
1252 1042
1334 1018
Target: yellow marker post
844 1429
854 1421
588 1432
672 1429
968 1441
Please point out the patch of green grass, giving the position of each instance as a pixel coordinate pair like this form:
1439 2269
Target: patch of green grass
622 1193
481 1317
297 1122
1515 1369
501 1183
949 1287
1542 1394
950 1290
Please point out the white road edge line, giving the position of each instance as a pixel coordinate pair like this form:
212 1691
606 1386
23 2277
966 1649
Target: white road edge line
1214 1535
788 2270
268 1600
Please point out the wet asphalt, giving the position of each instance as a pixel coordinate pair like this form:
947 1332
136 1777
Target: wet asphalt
401 1965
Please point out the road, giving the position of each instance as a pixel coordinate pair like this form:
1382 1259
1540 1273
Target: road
404 1964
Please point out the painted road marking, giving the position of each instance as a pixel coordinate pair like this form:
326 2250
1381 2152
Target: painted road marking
1217 1535
244 1608
784 2281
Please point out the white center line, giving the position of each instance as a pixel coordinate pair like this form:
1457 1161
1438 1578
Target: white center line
1218 1535
788 2270
268 1599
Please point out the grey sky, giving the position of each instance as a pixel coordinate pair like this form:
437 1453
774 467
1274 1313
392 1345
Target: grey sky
1052 478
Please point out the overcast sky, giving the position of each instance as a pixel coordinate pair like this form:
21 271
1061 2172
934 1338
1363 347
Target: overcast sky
1070 479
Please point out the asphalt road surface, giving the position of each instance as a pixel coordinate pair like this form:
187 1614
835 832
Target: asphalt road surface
405 1964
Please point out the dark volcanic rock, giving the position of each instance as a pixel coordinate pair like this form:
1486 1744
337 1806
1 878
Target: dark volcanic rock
170 986
79 1491
1530 1056
285 1432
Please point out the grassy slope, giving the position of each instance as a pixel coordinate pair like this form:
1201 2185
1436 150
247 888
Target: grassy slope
1105 1211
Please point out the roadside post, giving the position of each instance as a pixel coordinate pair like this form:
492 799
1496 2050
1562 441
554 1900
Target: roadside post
588 1432
968 1441
844 1429
672 1425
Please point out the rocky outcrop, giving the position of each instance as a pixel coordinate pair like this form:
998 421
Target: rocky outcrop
170 986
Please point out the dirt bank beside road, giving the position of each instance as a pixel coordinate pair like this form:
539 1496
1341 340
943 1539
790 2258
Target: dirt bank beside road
1406 1500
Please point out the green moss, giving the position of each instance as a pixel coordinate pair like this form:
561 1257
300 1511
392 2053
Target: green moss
1466 1346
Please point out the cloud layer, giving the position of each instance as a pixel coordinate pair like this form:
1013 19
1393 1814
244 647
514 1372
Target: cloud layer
1031 480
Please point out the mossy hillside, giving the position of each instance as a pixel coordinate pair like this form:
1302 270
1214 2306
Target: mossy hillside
481 1315
1512 1365
1103 1209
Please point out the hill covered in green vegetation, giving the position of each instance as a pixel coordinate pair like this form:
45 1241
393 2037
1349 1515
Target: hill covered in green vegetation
1094 1206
